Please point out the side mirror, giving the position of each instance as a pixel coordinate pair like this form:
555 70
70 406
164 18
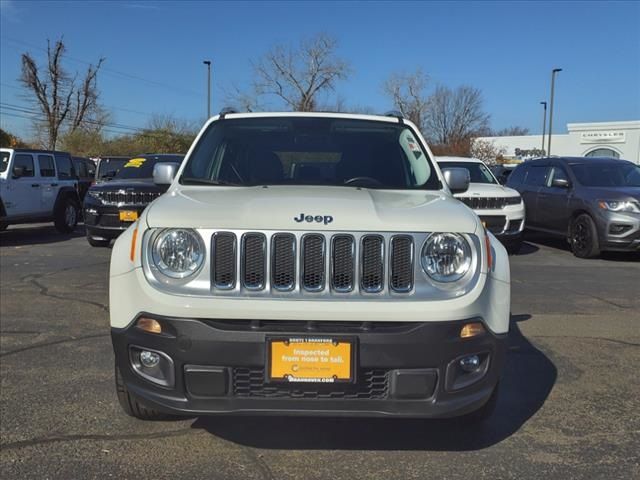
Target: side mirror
165 172
560 183
457 179
18 172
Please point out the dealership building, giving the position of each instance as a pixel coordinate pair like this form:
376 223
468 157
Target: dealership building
603 139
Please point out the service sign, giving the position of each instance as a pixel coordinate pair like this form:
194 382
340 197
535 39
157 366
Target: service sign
320 360
603 137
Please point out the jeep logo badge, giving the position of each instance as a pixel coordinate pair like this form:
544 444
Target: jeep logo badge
326 219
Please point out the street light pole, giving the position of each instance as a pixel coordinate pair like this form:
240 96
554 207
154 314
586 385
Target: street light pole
544 123
553 81
208 64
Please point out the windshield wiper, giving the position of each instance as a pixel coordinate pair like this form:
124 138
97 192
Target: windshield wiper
205 181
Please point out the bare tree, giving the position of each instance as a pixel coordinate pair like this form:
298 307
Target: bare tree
513 131
454 116
340 105
56 95
486 151
86 101
245 101
298 75
407 90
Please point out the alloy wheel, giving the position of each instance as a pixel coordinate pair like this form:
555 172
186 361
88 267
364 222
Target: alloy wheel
70 215
581 236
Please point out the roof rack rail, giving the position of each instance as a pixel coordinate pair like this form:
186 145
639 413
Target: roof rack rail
395 113
226 111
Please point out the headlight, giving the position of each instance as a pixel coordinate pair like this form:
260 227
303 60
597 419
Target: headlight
619 206
95 194
446 257
178 253
513 200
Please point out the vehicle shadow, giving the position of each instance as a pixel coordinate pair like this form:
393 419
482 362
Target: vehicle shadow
558 243
528 379
547 240
40 234
526 249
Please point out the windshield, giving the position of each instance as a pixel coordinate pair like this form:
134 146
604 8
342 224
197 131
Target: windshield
310 151
108 167
4 161
477 171
142 167
607 174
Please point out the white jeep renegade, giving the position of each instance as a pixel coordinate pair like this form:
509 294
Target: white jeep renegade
310 264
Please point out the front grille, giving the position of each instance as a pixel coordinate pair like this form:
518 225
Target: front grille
254 260
343 258
494 223
372 263
484 203
402 264
125 197
313 262
371 384
514 226
312 326
284 263
224 260
108 220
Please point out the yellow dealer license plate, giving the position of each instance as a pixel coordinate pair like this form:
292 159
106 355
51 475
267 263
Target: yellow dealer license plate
321 360
128 215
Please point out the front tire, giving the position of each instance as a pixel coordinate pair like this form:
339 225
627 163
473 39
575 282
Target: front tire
132 406
583 237
66 215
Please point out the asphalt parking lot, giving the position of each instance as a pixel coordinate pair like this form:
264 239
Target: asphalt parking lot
569 405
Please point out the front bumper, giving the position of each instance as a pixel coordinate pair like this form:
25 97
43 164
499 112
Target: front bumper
102 221
407 369
620 231
506 223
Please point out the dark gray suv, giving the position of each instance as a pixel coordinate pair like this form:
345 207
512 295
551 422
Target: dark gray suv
593 202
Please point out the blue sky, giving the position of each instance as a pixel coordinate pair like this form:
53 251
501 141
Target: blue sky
154 52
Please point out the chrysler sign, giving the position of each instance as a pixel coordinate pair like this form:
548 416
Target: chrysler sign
602 137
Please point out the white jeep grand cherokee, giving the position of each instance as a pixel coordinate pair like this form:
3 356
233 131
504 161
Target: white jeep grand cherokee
500 208
312 264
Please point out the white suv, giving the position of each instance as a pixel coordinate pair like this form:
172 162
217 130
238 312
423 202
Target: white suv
500 208
38 186
310 264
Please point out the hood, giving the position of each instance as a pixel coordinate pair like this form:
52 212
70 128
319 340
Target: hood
310 208
137 184
487 190
614 193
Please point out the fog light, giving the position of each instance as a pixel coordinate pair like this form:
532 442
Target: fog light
617 229
152 365
469 364
472 330
151 359
149 325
